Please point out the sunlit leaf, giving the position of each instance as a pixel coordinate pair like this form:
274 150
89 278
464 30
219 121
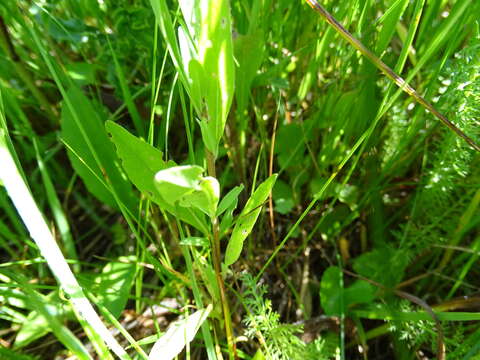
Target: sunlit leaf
185 186
141 162
229 200
247 219
114 284
178 335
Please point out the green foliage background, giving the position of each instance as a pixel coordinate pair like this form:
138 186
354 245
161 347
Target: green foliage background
98 101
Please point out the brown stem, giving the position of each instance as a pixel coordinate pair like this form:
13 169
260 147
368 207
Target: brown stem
215 240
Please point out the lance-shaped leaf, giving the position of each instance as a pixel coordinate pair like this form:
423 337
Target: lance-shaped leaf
248 65
91 153
207 52
202 53
227 206
247 220
230 200
141 162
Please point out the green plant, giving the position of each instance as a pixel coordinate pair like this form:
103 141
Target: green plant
182 157
279 341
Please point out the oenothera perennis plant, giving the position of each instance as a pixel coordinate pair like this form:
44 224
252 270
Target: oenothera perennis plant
185 193
202 53
188 195
203 56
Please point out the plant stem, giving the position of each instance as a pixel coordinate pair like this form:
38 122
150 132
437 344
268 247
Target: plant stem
217 266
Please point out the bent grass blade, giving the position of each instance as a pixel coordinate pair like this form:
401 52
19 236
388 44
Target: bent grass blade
401 83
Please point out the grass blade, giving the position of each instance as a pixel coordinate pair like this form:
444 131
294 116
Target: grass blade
402 84
40 233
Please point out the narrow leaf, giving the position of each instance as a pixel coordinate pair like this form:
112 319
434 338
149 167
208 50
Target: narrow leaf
247 220
141 162
207 52
91 153
34 221
229 199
